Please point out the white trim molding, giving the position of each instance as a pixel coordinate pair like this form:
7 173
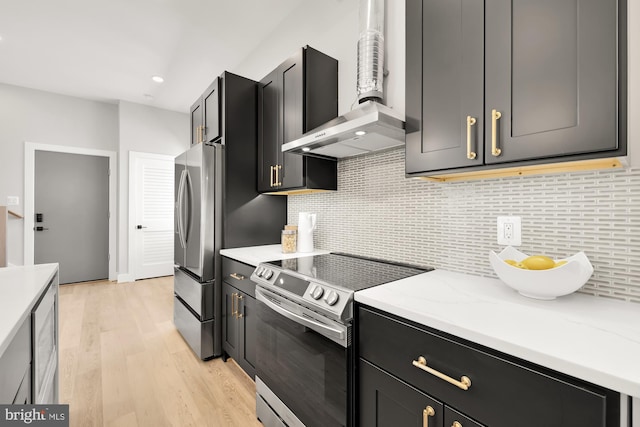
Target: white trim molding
30 149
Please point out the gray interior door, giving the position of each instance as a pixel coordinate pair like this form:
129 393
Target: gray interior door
72 194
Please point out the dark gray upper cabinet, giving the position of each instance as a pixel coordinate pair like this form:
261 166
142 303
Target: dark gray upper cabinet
508 83
298 96
205 115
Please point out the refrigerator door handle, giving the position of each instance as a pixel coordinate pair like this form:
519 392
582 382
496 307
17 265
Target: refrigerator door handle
183 242
189 207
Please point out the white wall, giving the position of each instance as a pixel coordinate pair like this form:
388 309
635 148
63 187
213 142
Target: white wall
332 27
46 118
149 130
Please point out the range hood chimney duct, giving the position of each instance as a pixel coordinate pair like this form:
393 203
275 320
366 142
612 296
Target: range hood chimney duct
371 51
371 126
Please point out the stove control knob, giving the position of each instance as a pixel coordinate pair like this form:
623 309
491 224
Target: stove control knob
267 274
332 298
317 292
259 271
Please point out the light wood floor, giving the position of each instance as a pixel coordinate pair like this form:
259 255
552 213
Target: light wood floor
122 362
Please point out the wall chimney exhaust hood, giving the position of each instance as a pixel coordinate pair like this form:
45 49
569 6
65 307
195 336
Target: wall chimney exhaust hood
371 126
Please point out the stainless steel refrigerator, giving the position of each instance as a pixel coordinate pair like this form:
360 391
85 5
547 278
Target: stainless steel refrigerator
218 206
195 244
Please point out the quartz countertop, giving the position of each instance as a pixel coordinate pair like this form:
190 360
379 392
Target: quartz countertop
590 338
254 255
20 288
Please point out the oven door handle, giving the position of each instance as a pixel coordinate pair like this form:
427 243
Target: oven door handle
333 334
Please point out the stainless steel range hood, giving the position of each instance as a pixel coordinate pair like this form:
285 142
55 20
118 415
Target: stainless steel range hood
371 126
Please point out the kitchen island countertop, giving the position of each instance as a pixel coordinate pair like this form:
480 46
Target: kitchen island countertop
20 288
254 255
590 338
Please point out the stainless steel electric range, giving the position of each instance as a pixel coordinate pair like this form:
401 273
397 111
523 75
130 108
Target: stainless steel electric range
304 374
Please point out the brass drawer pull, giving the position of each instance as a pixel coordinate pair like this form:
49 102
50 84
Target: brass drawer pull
234 311
271 183
237 276
428 412
470 122
456 424
464 383
238 313
495 115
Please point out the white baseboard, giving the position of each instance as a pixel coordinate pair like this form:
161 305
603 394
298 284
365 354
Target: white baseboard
124 278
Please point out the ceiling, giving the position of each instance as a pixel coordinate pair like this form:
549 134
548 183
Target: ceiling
108 50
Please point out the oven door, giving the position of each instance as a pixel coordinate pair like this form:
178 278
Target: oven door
300 360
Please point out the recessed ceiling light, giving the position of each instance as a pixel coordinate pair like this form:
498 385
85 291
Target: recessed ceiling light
157 79
305 149
360 133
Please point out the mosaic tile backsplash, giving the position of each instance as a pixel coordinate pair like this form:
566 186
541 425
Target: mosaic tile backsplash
377 212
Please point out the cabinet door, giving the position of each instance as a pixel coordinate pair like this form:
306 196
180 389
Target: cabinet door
551 72
211 105
247 335
196 122
229 321
291 109
444 92
268 130
386 401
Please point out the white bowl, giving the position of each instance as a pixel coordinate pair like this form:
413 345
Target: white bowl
542 284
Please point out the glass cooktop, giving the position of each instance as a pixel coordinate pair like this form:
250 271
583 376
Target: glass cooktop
349 271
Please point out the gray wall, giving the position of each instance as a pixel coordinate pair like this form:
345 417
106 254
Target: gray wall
45 118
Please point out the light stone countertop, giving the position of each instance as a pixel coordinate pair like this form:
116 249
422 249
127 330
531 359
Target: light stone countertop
590 338
254 255
20 288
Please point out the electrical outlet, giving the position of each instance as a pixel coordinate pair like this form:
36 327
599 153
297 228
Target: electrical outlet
509 230
13 200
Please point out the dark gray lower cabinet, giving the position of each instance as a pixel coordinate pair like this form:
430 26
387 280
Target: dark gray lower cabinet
238 315
15 366
503 392
386 401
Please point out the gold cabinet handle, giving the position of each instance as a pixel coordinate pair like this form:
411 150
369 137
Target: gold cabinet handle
464 383
271 184
495 115
456 424
278 168
234 311
428 412
237 276
238 313
470 122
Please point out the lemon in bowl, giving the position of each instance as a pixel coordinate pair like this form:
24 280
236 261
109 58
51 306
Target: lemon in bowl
539 276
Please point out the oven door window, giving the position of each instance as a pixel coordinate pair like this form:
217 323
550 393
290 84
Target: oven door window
307 371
